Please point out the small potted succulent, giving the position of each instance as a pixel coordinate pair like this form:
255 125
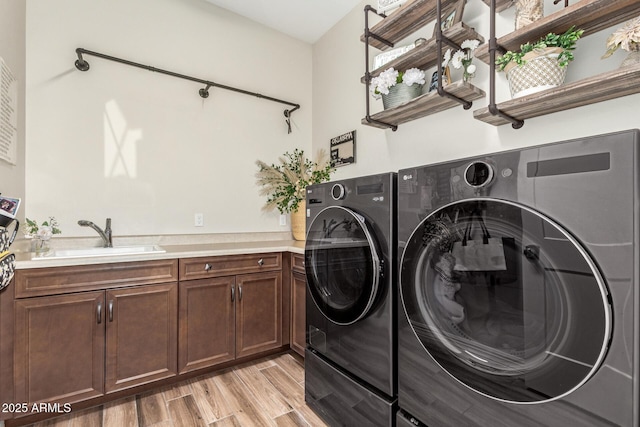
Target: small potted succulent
397 87
540 65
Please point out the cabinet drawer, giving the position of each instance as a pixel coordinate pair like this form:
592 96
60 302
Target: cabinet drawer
62 280
199 268
297 263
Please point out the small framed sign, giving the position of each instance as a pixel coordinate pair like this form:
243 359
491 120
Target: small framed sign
451 17
343 149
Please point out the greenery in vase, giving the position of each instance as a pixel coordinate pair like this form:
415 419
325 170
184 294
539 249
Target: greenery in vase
43 231
284 184
566 41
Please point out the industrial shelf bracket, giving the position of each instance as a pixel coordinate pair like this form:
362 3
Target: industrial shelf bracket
82 65
493 48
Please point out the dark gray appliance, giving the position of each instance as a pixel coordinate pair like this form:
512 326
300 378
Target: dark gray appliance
519 282
350 366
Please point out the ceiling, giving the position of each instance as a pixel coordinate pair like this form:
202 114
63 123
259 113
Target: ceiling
305 20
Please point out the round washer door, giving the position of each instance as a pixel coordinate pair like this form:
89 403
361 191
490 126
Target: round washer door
342 265
516 310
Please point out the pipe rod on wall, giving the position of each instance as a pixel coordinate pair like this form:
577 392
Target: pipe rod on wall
82 65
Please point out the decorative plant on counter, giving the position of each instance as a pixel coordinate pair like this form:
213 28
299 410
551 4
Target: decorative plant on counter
43 231
566 43
540 65
627 38
284 183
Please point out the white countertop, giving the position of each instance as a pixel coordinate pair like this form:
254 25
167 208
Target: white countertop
26 260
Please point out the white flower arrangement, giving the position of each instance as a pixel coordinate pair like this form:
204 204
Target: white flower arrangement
626 37
388 78
463 58
43 231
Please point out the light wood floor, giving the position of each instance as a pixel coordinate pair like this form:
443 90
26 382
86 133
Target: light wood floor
267 392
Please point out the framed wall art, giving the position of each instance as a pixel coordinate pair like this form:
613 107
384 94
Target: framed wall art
451 17
446 79
343 149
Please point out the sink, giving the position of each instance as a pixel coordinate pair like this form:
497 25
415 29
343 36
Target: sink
100 252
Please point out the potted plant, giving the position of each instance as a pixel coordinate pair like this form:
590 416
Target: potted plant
397 87
284 184
627 38
41 234
540 65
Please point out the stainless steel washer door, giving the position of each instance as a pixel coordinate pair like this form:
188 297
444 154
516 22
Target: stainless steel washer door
528 328
342 265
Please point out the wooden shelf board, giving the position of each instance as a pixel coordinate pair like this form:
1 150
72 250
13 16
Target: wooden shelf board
501 5
405 20
426 104
424 56
590 15
598 88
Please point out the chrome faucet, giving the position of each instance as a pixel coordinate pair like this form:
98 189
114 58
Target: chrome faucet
106 234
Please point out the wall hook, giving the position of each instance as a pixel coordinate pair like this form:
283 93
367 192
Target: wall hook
204 92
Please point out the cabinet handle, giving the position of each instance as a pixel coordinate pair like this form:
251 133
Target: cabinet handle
99 313
239 292
260 262
111 311
233 293
208 267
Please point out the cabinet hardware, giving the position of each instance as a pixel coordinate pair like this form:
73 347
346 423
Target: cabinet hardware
99 313
111 311
233 293
208 267
239 292
260 262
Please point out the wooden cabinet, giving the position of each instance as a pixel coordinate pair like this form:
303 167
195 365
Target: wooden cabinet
72 346
81 345
401 23
59 348
223 316
298 305
590 15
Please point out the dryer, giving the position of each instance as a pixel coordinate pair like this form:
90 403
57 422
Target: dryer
350 361
519 283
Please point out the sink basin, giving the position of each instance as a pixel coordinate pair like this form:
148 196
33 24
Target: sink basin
100 252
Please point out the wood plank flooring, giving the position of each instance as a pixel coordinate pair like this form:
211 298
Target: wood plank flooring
267 392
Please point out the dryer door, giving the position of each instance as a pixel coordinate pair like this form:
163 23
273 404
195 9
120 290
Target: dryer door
342 265
516 310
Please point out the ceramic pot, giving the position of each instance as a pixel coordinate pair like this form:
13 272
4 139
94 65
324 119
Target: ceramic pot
299 221
540 71
633 58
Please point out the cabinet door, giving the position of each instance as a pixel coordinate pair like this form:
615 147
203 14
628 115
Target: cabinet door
142 340
59 348
258 312
206 323
298 319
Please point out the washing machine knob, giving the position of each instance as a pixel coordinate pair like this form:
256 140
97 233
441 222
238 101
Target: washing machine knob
478 174
338 192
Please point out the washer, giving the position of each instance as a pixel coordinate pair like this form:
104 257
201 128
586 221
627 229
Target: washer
350 252
519 287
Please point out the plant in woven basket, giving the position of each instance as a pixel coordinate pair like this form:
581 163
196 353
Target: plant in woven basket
284 184
566 42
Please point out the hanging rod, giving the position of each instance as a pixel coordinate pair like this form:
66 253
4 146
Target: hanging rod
82 65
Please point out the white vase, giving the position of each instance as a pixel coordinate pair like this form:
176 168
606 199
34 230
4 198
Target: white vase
633 58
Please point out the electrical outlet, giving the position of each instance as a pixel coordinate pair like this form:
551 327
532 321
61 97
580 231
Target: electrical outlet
199 220
283 220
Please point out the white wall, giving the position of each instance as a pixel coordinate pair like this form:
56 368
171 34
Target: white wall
142 147
339 102
12 42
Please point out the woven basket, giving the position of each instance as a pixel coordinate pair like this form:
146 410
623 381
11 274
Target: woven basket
400 93
540 72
